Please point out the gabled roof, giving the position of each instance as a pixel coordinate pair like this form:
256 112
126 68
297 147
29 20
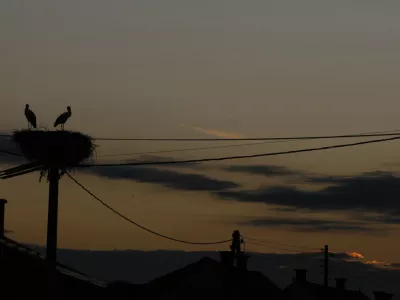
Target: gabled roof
210 276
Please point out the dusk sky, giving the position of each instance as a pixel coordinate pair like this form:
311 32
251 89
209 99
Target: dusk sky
198 69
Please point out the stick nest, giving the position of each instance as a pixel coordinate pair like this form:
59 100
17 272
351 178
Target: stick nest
61 149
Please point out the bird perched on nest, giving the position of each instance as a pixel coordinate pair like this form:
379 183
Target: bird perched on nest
30 116
63 118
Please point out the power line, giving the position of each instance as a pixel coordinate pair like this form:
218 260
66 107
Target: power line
10 152
138 225
239 156
367 134
194 149
271 246
280 244
254 139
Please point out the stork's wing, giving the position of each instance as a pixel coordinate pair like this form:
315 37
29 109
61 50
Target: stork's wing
31 117
59 120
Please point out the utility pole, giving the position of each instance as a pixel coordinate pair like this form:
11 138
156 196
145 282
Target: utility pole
3 203
326 267
2 212
52 218
52 227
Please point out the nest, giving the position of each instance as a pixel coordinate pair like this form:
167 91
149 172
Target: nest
54 149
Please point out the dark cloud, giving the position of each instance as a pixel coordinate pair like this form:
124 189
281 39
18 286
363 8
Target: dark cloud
345 179
395 266
298 176
307 225
375 192
382 219
292 176
168 178
265 170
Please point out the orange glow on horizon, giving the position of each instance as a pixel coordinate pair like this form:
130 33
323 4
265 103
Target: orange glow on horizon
355 255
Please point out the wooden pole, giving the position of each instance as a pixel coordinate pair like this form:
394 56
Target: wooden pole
52 218
52 225
2 216
326 268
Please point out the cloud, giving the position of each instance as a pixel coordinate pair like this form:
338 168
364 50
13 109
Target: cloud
171 179
383 264
374 192
370 264
355 255
281 171
218 133
303 177
266 170
307 225
345 179
382 219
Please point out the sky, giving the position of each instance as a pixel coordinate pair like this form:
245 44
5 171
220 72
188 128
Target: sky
197 69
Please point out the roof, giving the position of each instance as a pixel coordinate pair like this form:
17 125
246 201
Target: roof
317 291
25 269
215 280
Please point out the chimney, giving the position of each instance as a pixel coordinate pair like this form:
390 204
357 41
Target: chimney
227 258
2 210
382 296
241 261
301 276
340 283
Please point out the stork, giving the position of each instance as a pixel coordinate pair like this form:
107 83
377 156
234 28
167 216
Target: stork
30 116
63 118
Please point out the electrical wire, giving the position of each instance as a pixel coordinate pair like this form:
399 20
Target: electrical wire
273 247
239 156
10 152
367 134
138 225
359 135
280 244
194 149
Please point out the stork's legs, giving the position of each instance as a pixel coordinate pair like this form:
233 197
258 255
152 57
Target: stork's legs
62 127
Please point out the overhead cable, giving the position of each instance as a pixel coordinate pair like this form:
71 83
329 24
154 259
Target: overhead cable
273 247
269 242
148 163
10 152
194 149
362 135
138 225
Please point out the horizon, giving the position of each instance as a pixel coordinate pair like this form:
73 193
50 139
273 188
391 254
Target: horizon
141 267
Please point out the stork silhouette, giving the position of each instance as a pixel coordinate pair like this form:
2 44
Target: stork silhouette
30 116
63 118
